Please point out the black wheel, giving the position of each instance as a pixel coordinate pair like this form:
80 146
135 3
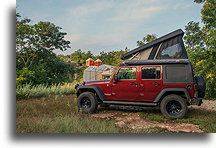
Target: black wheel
173 106
201 86
87 102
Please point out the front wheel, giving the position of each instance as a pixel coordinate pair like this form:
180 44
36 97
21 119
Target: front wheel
173 106
87 102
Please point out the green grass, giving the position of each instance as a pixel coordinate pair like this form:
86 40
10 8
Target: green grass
67 124
27 91
58 115
205 119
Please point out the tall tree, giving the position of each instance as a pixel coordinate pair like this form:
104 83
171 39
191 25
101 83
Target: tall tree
146 39
35 60
80 56
34 39
201 44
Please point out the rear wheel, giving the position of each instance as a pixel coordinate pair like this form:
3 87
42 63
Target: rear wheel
87 102
173 106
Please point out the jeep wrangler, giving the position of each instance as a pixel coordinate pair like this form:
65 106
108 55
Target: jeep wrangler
169 84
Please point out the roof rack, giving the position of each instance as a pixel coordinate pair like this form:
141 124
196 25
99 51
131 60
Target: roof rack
156 62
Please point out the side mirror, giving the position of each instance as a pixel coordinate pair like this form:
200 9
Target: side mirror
115 78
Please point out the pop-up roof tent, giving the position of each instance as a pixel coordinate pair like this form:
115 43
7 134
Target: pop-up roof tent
169 46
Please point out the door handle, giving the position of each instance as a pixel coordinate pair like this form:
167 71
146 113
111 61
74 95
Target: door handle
133 83
155 83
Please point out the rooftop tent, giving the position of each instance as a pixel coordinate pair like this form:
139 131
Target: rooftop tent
169 46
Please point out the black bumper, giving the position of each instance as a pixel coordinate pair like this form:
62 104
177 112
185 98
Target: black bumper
196 101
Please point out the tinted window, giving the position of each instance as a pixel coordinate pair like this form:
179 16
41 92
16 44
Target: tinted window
176 73
179 73
127 73
151 72
174 51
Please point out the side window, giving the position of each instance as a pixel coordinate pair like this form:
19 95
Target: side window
172 52
151 72
127 73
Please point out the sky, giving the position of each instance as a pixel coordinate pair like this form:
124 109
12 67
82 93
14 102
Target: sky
107 25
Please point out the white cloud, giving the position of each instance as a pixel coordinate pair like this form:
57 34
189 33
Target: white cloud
137 14
89 9
138 10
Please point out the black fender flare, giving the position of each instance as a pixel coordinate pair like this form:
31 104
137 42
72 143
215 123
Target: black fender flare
176 89
96 88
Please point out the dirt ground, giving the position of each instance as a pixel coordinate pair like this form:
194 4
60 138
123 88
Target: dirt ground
207 105
129 117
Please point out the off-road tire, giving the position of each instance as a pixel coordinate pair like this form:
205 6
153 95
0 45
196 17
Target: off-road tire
201 86
87 102
173 106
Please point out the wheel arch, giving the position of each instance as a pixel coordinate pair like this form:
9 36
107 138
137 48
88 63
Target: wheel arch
178 91
91 88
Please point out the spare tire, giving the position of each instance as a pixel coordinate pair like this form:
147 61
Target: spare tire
201 86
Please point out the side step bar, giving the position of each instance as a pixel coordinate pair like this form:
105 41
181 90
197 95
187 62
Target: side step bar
131 103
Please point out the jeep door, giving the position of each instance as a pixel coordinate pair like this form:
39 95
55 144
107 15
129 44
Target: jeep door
150 82
126 87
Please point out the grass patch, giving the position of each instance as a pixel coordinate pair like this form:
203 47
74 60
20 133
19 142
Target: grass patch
73 123
205 119
27 91
58 115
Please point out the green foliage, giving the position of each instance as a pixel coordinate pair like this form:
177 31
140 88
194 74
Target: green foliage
146 39
111 58
35 61
201 45
23 75
80 57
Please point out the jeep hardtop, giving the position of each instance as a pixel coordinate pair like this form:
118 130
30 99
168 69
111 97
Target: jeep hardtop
169 84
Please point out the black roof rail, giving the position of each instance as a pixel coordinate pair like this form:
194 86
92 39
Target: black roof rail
156 62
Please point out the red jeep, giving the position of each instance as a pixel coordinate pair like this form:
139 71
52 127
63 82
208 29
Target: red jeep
169 84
